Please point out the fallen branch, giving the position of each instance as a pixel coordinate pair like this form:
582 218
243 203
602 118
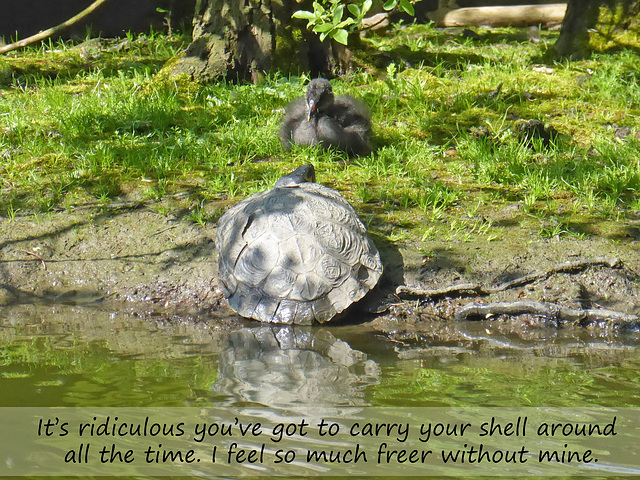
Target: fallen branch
380 20
501 16
550 310
53 30
566 267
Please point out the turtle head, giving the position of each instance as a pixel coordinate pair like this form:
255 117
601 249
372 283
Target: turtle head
319 96
305 173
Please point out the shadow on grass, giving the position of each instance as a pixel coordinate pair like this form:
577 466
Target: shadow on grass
70 70
520 36
111 57
404 55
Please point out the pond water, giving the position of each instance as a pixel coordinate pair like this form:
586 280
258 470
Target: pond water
75 356
79 356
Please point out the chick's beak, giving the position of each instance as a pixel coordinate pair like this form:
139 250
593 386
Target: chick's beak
311 108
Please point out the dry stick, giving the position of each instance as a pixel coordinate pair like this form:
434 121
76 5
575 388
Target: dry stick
565 267
44 265
163 230
551 310
438 292
53 30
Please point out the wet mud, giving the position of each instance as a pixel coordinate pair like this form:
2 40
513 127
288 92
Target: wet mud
132 258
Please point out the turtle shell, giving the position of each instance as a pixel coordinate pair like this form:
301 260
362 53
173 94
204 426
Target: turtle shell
295 254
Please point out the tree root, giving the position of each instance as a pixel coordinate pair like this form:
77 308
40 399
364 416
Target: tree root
550 310
476 288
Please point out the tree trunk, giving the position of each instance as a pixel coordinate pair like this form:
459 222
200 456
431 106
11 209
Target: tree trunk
574 37
241 40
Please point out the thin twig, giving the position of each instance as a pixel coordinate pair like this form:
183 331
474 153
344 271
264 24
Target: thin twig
44 265
550 310
566 267
53 30
171 227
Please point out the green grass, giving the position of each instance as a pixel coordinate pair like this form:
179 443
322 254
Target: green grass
93 123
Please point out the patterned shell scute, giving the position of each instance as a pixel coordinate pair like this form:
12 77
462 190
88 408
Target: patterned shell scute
295 255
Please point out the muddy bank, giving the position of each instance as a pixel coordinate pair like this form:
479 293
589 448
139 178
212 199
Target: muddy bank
136 257
124 256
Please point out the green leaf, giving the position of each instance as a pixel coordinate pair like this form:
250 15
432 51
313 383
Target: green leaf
341 36
354 9
390 4
318 9
366 6
304 15
345 23
323 35
337 14
406 6
323 27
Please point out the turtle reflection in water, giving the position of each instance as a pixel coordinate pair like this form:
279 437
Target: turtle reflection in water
299 367
295 253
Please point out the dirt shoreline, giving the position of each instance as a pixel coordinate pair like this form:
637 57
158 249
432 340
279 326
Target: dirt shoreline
130 257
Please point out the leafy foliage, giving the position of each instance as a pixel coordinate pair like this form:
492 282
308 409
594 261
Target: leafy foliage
336 18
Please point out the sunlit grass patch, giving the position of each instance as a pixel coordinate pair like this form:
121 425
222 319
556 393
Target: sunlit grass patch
94 123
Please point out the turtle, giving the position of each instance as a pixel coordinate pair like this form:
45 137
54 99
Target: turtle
295 254
323 119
